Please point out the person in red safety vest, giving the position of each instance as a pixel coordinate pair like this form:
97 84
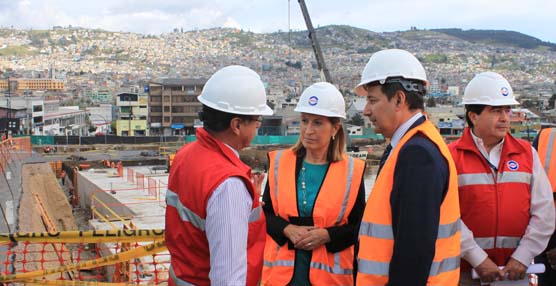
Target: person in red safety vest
215 228
505 198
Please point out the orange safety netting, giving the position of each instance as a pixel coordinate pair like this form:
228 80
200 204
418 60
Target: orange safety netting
50 258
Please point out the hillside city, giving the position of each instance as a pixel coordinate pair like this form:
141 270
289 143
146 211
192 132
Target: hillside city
117 74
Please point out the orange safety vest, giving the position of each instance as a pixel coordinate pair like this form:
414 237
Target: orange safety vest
333 204
495 208
189 189
547 154
376 236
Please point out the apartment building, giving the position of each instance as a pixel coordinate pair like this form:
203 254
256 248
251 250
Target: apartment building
132 114
32 84
174 105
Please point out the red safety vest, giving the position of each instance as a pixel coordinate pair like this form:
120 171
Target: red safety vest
494 207
189 189
333 204
376 237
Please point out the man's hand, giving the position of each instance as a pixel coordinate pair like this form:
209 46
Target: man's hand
488 271
257 178
515 270
551 257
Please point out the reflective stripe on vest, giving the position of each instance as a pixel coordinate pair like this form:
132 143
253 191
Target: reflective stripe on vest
547 155
188 215
501 242
385 231
276 172
487 179
176 280
382 268
549 149
346 193
336 269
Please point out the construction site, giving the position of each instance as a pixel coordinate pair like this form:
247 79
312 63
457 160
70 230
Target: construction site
87 215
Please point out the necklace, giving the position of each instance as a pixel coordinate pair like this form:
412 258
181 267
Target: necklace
303 187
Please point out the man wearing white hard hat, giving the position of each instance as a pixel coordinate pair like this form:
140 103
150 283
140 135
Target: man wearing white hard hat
215 229
410 232
505 196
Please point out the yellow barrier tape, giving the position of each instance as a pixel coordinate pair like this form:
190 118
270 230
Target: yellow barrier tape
91 236
145 250
76 283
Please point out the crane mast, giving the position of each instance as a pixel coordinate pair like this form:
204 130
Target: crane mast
314 42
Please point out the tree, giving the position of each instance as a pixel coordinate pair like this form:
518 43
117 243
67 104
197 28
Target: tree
356 120
431 102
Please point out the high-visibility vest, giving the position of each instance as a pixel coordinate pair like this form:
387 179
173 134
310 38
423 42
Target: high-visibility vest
547 154
495 208
189 189
332 207
376 237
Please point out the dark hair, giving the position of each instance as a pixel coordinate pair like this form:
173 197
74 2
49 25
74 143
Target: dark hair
335 148
475 108
216 120
414 90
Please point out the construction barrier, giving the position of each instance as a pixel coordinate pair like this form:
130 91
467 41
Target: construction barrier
152 189
140 181
130 175
88 260
97 236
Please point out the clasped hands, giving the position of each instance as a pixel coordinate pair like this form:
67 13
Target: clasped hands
306 237
488 271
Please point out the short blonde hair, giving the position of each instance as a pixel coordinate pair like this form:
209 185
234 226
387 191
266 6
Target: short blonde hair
335 148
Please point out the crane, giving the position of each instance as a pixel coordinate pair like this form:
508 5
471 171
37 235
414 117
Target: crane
314 42
320 59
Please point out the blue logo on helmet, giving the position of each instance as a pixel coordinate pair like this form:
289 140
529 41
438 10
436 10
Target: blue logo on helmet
505 91
313 100
513 165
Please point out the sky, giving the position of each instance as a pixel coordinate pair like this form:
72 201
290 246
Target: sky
532 17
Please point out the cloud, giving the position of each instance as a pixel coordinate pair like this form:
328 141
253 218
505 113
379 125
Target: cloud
159 16
231 23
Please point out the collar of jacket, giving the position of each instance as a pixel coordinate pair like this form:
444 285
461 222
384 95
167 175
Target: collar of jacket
208 141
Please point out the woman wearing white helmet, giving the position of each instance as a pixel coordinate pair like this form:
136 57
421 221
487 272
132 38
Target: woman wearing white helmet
314 199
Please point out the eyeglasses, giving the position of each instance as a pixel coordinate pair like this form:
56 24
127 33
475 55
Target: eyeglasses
257 118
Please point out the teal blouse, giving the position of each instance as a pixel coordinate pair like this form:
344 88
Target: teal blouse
313 176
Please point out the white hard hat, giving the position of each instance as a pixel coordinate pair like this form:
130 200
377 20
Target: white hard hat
322 98
237 90
392 63
489 88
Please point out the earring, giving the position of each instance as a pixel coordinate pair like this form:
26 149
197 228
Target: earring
333 137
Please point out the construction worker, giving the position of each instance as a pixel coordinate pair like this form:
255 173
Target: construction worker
215 229
410 232
63 177
544 143
505 197
314 198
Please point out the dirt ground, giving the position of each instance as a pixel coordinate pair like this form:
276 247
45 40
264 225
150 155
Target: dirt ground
40 185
